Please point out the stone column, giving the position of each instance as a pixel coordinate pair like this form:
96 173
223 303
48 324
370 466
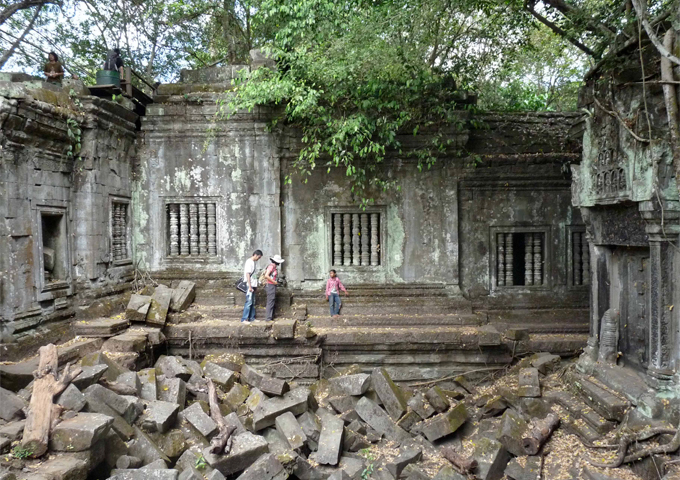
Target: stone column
375 256
528 259
347 239
193 229
365 240
660 312
184 229
500 249
174 229
356 240
576 261
585 259
202 229
212 230
508 260
538 259
337 239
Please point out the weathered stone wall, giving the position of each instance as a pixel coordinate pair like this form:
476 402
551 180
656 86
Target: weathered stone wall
48 200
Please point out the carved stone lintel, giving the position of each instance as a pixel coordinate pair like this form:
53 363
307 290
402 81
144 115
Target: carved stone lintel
337 239
375 244
174 229
500 245
202 229
356 240
193 229
212 230
347 239
184 229
365 240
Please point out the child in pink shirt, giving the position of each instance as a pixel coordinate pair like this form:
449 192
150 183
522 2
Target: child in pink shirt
333 287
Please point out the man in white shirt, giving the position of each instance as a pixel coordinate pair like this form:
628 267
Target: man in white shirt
250 279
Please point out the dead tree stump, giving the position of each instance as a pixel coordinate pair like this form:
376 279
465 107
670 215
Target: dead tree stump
464 465
539 433
221 443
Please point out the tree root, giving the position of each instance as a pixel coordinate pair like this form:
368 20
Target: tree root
626 440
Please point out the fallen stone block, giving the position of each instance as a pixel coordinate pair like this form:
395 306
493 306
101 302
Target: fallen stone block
255 398
125 462
62 467
350 384
149 390
190 474
138 308
144 474
237 395
132 380
288 426
353 465
278 445
517 334
159 416
120 425
214 475
494 407
4 444
13 430
245 450
343 403
448 473
250 376
100 327
89 376
172 367
182 296
311 426
113 371
200 420
443 424
340 475
406 457
378 419
419 404
492 458
173 390
71 399
392 397
413 472
284 328
330 440
126 342
223 377
160 304
294 401
127 406
190 458
273 386
154 335
530 471
546 364
349 416
11 405
171 443
80 432
144 448
155 465
435 396
609 405
267 467
353 441
511 432
529 385
408 420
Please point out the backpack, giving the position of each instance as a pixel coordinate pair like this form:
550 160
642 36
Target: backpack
261 280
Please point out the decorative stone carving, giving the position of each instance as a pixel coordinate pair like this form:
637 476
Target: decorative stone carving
508 259
347 239
174 229
538 259
337 239
356 240
202 229
193 229
119 250
375 246
365 240
609 337
212 227
184 229
500 241
528 259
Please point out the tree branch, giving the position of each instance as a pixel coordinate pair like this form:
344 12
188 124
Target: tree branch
559 31
642 15
25 4
10 51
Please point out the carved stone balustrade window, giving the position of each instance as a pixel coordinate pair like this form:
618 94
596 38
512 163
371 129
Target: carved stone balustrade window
356 238
579 258
120 231
191 229
519 257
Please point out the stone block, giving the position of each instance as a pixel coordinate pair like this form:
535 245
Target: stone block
330 439
4 444
159 416
349 416
343 403
138 308
126 461
392 397
114 447
380 421
546 364
182 296
278 444
145 448
71 399
284 328
190 474
13 430
419 404
311 426
132 380
273 386
408 420
517 334
294 401
492 458
412 472
144 474
223 377
267 467
529 385
406 457
288 426
609 405
237 395
487 335
448 473
340 475
356 384
230 360
154 335
530 471
171 443
443 424
149 391
113 371
160 304
89 376
255 398
200 420
80 432
156 465
511 432
245 450
250 376
172 367
435 396
173 390
11 405
120 425
126 342
100 327
215 475
62 467
126 406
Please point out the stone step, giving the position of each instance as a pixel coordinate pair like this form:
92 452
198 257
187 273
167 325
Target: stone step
391 308
579 410
376 293
608 404
543 327
398 320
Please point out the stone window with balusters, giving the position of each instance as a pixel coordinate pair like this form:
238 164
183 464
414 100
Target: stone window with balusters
191 229
356 238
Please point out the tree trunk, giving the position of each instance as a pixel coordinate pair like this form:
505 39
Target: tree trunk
464 465
539 433
670 96
41 409
10 51
221 443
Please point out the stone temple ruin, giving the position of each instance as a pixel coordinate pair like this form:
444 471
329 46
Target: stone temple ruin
523 240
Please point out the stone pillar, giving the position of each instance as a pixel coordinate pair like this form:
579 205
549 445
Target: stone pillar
576 260
660 312
184 229
528 259
356 240
500 247
212 229
193 229
174 229
347 239
538 259
337 239
508 260
375 257
365 240
202 229
585 260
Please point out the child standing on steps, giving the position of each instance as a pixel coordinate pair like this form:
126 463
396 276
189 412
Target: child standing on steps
333 287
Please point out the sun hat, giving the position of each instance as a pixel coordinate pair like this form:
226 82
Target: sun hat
276 259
